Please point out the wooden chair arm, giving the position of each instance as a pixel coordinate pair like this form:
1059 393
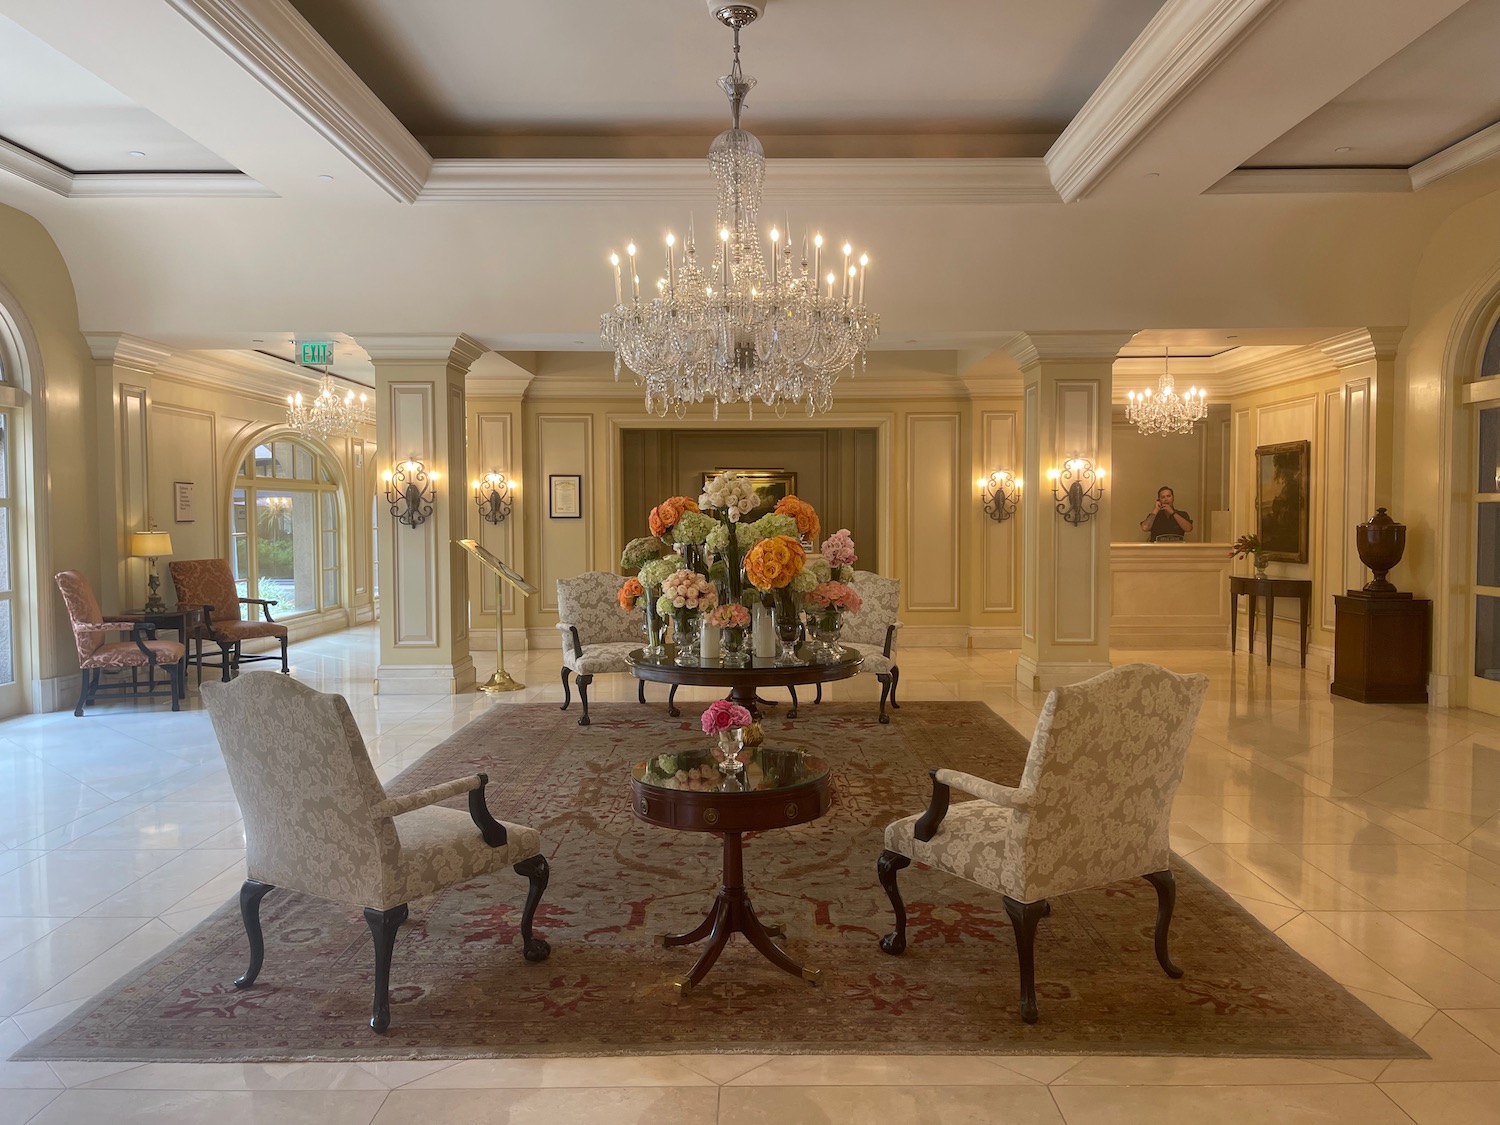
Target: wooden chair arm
928 823
571 632
490 828
264 603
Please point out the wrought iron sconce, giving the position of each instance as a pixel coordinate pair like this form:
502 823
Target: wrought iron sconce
409 491
1077 487
1002 492
492 496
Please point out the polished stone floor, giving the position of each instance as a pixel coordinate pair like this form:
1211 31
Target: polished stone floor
1367 837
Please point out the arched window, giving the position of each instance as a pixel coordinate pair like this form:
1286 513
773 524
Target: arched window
285 521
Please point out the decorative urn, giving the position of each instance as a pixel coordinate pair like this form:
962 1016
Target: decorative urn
1381 542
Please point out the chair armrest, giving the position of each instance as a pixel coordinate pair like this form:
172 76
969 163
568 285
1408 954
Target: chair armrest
571 631
927 824
490 828
265 606
890 638
1003 795
103 626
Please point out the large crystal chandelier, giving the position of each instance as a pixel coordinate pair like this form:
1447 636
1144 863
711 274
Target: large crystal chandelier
729 329
1166 412
329 413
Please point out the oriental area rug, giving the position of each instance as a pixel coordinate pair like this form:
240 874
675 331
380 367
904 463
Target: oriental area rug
460 988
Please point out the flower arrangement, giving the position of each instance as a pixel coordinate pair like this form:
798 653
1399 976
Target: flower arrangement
838 549
687 589
665 516
638 552
683 771
772 563
1248 545
723 715
818 568
833 595
731 494
803 512
693 528
656 571
730 615
629 593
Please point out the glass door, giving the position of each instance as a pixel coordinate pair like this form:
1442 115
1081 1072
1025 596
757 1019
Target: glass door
11 695
1484 688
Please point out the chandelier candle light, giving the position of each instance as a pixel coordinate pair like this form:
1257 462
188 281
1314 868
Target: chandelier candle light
1166 412
729 329
329 414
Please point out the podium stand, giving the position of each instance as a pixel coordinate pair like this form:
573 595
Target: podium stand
501 680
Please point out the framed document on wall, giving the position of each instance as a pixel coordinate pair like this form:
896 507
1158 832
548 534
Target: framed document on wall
182 501
565 496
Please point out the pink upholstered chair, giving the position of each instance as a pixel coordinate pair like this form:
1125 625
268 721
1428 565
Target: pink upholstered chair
97 654
210 583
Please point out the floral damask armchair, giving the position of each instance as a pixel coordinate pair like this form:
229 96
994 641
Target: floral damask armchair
210 583
597 634
318 821
873 632
97 655
1092 808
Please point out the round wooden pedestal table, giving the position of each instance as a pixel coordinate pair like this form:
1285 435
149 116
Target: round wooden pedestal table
775 789
743 683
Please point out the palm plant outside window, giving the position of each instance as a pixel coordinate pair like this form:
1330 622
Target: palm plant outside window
284 519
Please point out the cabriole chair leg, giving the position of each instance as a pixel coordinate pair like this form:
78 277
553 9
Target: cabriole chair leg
251 892
383 926
567 691
536 870
1024 917
888 866
1166 898
583 697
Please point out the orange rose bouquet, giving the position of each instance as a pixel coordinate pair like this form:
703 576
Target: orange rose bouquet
805 515
628 594
772 563
665 515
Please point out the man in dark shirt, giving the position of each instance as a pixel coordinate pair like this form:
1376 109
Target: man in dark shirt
1166 521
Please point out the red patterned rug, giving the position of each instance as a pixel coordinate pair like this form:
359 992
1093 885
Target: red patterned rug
461 989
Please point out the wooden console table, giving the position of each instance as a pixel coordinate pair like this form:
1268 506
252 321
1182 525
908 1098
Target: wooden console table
1270 589
1381 648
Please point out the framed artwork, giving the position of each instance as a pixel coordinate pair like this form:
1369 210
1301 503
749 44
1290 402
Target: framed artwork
770 485
1281 505
182 501
565 496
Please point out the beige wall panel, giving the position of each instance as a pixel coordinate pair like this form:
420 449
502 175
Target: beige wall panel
458 507
135 462
1359 435
1076 610
564 445
183 445
1329 463
1168 596
998 540
1292 420
414 561
932 476
493 450
1031 515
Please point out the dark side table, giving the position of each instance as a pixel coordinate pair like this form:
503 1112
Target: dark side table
1381 648
1270 589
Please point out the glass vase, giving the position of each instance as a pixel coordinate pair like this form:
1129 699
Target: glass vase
823 634
685 635
731 746
655 626
732 639
788 626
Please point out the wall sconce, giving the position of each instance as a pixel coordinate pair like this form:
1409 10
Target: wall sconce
1002 492
1077 487
492 496
409 491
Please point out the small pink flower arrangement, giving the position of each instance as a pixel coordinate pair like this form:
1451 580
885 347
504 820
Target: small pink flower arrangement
731 615
838 549
723 715
833 595
687 589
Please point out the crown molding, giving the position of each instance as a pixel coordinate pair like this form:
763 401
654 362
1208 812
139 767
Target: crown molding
459 351
280 49
124 350
1183 42
118 185
875 181
1362 345
1457 157
497 386
1031 348
1292 181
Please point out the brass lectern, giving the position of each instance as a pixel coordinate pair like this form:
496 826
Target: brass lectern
501 680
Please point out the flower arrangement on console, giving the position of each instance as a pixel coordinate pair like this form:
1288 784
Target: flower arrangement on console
728 721
638 552
827 603
838 549
630 595
665 516
772 563
687 589
833 595
730 615
1247 545
805 515
729 494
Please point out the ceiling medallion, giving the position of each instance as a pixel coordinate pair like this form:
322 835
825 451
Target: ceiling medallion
752 321
1166 412
329 414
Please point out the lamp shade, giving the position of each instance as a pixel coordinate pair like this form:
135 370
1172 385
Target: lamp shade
150 544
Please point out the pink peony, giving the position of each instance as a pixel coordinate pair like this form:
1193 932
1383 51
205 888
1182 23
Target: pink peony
724 715
838 549
833 595
730 615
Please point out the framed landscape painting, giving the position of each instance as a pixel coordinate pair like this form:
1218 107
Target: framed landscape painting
770 485
1281 505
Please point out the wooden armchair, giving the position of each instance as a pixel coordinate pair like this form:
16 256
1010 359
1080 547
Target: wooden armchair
97 655
1092 808
597 636
318 820
210 583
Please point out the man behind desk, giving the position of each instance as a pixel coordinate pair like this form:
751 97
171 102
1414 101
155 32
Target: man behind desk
1166 523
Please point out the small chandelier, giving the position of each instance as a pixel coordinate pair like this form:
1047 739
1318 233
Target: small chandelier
753 321
1166 412
329 414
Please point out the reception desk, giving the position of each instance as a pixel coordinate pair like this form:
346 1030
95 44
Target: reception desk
1169 595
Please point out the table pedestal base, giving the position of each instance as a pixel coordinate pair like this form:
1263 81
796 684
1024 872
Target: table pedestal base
732 913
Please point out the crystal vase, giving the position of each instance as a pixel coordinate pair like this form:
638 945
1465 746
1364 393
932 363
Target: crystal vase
655 626
823 634
733 639
685 635
788 626
731 746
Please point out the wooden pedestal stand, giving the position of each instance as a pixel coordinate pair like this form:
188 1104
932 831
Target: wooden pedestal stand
501 680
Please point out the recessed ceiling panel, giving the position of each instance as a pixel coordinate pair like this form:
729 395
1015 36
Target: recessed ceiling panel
1443 87
58 110
465 68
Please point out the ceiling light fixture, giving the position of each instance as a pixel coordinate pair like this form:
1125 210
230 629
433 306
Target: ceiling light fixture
329 414
1166 412
136 152
731 329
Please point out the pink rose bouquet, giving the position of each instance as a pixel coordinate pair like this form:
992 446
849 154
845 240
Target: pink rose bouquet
833 595
687 589
723 715
730 615
838 549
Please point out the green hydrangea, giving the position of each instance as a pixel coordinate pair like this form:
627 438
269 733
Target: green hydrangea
765 528
655 572
820 567
803 581
664 606
846 574
718 538
640 551
693 527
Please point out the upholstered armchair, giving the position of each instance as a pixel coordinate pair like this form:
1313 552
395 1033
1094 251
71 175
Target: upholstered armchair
210 583
597 634
1092 808
873 632
318 821
97 654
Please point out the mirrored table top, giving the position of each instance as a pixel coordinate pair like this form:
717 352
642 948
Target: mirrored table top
697 770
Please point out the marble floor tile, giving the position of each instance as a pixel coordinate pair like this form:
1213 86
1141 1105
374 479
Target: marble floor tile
640 1105
1457 1056
911 1105
1239 1105
1448 1103
556 1073
1436 975
882 1070
202 1107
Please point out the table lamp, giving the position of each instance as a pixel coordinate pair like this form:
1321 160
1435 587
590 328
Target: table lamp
151 545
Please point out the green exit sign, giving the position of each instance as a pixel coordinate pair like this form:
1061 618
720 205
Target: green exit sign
315 353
